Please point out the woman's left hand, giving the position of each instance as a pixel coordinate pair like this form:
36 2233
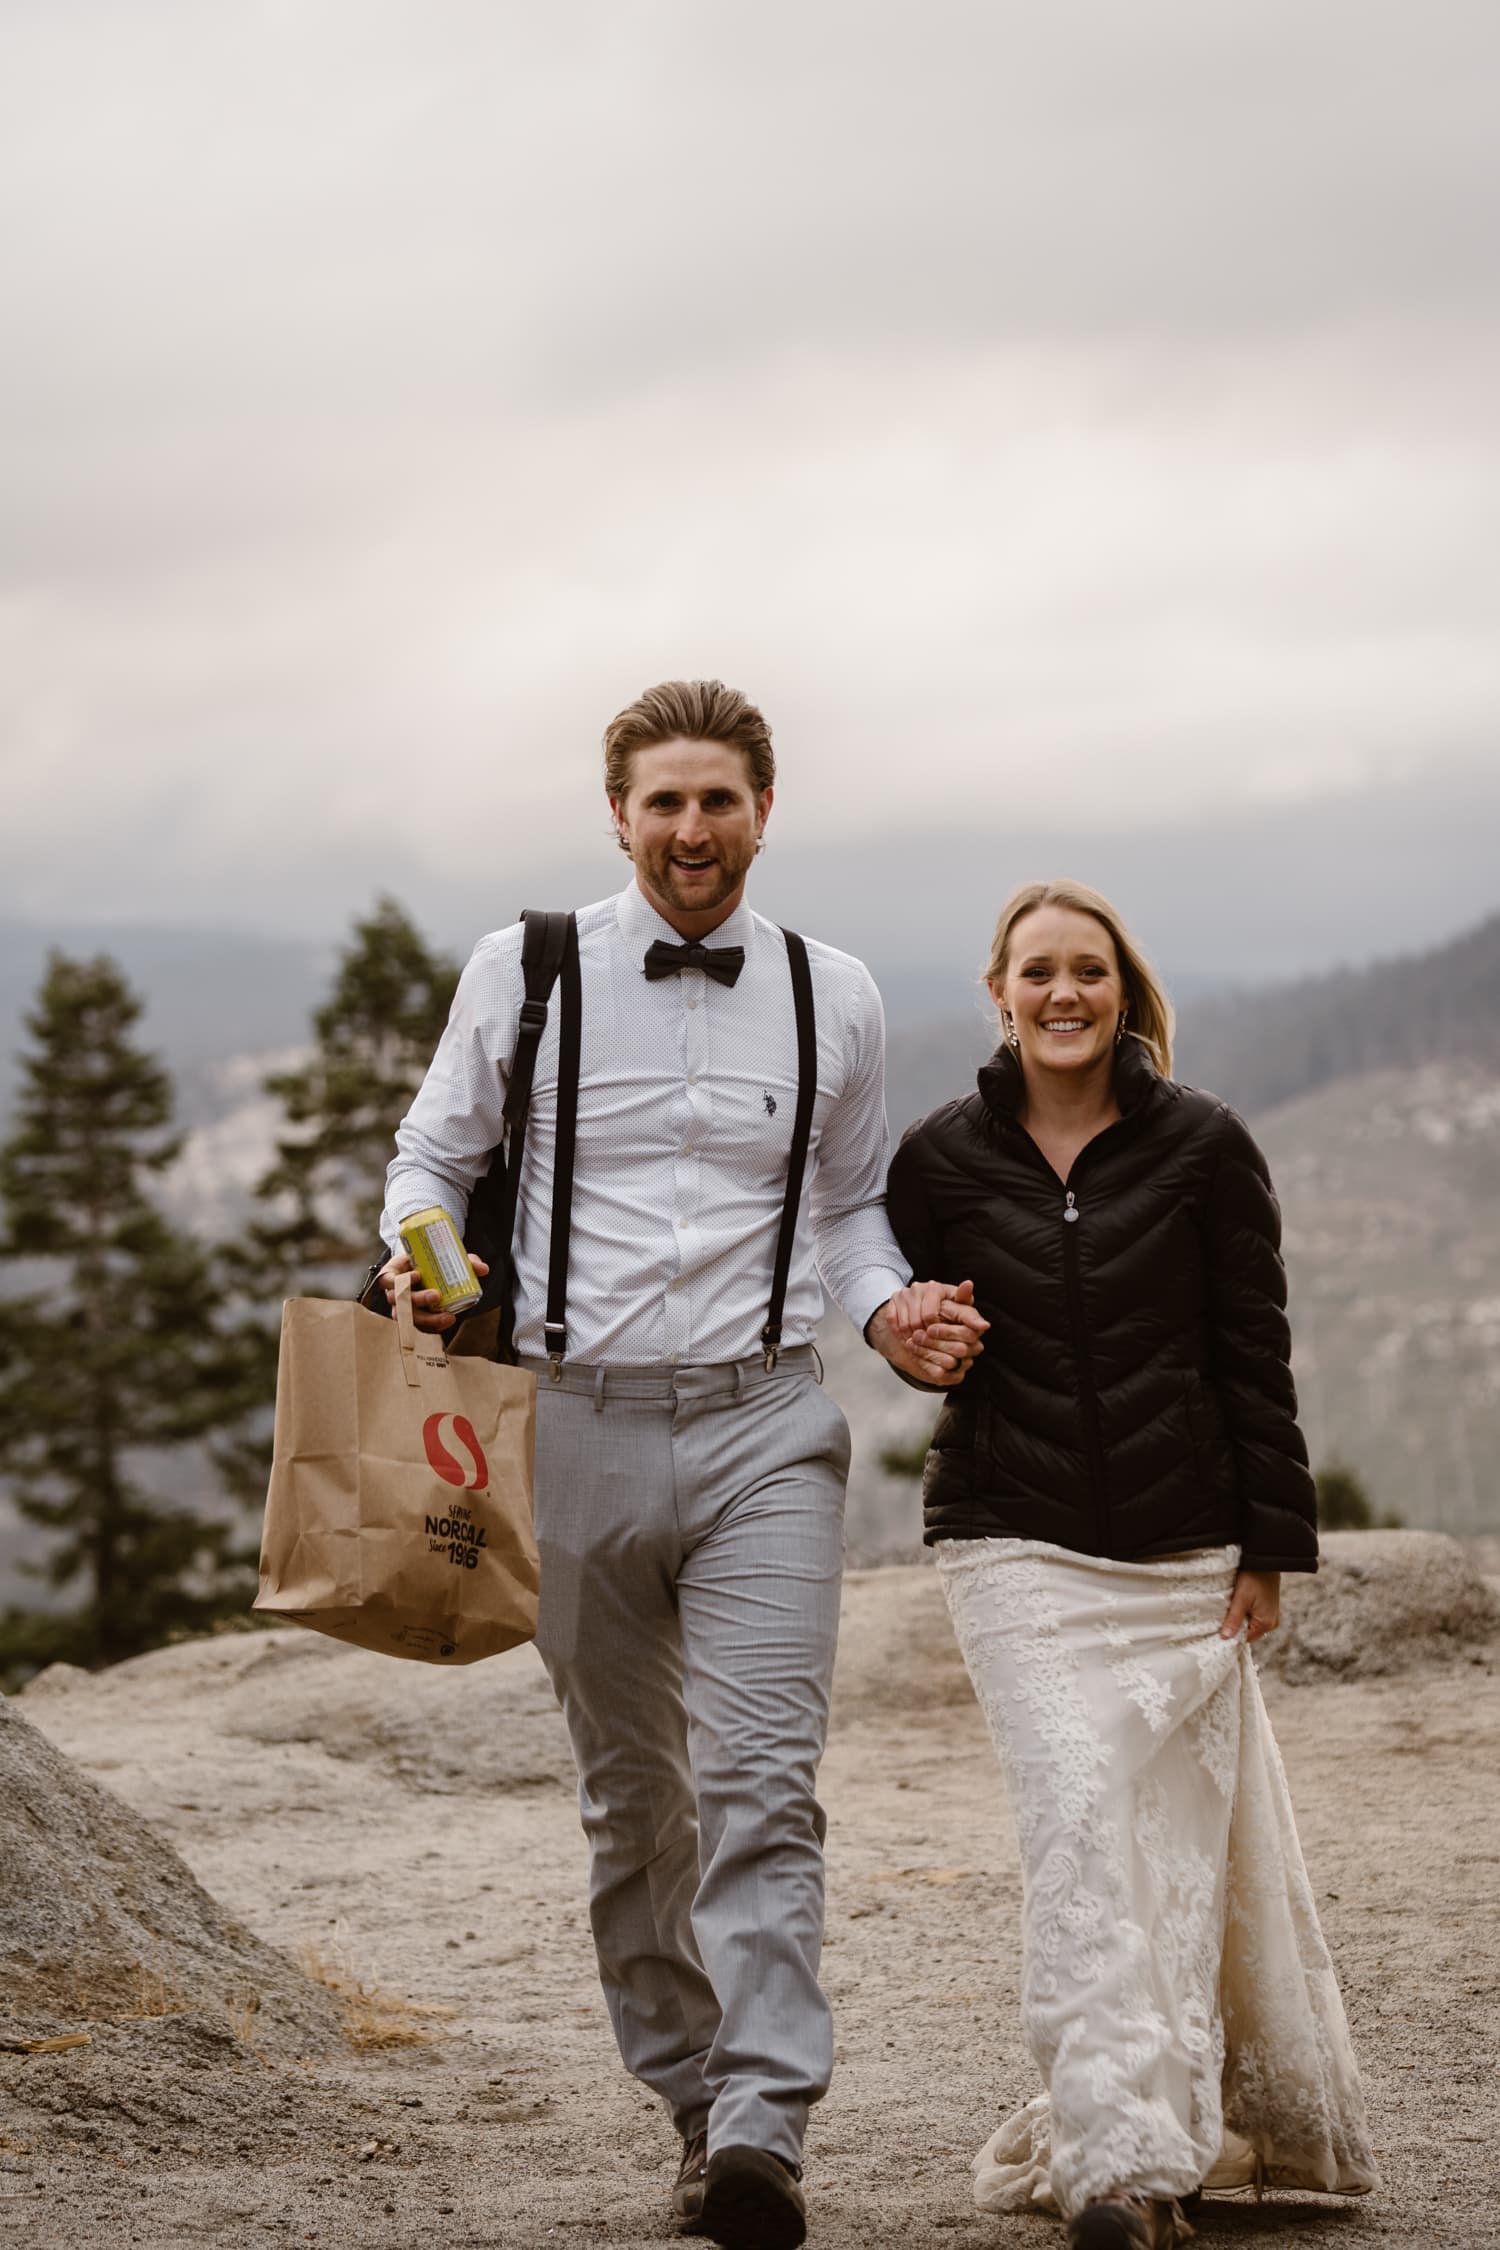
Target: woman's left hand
1255 1603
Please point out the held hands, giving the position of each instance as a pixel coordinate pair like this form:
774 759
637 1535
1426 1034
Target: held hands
1255 1603
931 1330
424 1302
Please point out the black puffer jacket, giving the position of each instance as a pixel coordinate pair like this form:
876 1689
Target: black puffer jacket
1134 1397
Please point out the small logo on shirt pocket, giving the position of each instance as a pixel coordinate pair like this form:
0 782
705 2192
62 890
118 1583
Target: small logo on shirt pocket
770 1102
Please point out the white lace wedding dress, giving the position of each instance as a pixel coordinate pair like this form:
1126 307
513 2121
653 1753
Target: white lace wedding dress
1177 1994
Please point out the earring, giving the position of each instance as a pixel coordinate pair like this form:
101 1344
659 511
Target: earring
1120 1026
1011 1032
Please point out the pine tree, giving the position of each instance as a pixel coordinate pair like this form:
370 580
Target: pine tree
375 1036
116 1348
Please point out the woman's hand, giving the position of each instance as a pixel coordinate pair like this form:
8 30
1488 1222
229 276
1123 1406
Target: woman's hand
1255 1603
931 1331
940 1316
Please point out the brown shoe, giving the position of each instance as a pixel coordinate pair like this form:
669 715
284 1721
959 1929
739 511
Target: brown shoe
751 2201
687 2188
1128 2222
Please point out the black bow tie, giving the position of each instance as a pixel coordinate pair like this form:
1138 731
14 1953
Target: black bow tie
721 962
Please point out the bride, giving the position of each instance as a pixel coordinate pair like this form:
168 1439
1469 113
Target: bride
1113 1495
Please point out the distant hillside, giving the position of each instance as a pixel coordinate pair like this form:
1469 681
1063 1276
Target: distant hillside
1259 1049
1390 1195
216 996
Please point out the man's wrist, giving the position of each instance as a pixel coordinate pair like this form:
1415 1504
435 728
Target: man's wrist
869 1293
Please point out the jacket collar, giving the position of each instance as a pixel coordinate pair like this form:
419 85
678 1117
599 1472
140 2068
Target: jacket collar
1137 1081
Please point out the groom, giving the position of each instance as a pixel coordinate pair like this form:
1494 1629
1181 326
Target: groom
689 1474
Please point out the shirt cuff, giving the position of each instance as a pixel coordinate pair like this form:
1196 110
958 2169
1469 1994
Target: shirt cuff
868 1291
413 1196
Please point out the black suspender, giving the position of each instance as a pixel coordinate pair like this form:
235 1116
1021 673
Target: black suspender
550 955
569 1051
807 1089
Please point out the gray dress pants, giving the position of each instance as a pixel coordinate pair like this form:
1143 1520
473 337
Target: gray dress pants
690 1522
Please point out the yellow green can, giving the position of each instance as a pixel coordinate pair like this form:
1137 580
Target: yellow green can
435 1248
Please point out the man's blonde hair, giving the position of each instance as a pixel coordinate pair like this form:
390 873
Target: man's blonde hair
696 710
1149 1018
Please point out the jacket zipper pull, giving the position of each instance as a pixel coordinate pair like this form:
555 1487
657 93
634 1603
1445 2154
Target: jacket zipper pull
1070 1209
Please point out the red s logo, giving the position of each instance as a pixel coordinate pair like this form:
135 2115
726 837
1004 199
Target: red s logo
455 1452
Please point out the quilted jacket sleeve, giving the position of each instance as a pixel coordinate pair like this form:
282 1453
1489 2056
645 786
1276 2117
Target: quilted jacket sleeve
908 1209
910 1215
1252 1358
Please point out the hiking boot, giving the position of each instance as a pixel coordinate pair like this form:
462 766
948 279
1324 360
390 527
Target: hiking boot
687 2188
751 2201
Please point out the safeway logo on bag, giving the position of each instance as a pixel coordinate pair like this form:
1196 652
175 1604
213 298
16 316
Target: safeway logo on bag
455 1452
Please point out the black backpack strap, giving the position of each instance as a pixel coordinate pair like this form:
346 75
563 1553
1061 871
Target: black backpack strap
807 1093
569 1060
543 948
543 951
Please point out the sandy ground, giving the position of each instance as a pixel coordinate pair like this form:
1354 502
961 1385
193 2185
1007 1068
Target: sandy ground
417 1827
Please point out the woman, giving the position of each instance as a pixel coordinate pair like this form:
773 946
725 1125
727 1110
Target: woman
1113 1495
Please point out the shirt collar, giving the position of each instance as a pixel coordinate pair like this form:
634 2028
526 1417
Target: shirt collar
640 925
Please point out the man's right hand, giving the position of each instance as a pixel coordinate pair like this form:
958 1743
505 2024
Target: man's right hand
426 1304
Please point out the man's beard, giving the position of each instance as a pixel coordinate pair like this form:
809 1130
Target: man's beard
730 869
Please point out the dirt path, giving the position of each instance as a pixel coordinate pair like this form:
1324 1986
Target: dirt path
418 1827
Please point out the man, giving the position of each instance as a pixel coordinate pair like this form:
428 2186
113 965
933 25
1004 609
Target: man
690 1479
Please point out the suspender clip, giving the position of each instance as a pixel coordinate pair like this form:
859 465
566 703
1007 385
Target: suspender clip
557 1344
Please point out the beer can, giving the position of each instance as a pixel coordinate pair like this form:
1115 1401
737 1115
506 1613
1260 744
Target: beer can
432 1243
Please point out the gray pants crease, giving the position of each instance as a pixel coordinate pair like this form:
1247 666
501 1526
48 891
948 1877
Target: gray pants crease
691 1532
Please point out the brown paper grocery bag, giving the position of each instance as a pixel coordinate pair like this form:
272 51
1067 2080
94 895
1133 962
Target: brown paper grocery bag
399 1513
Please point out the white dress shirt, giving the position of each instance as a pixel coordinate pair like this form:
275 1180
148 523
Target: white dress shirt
687 1093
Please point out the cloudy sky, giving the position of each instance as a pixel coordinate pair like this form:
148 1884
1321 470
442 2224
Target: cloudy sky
1065 419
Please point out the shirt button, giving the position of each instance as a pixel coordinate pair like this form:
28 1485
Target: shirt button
692 1077
673 1358
691 1005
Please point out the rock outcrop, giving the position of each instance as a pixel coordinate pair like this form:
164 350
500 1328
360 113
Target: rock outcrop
103 1921
1381 1602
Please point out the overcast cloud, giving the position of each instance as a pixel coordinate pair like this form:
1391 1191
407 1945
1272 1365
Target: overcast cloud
1050 413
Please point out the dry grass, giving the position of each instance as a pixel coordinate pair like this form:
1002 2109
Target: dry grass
158 1992
373 2018
243 2010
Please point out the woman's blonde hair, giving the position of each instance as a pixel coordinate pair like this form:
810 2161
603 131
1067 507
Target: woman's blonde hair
1150 1018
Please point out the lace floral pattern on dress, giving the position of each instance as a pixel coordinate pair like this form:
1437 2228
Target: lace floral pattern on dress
1177 1994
